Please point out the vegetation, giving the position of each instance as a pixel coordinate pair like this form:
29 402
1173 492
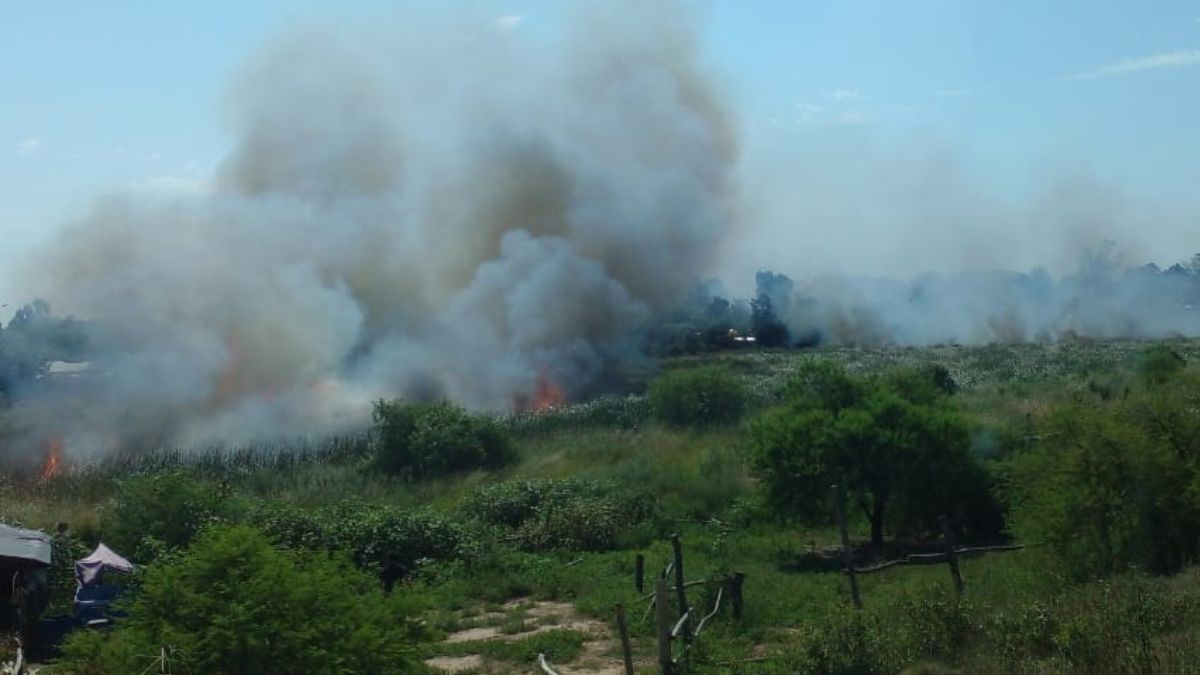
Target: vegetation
1070 449
697 397
893 441
234 604
419 441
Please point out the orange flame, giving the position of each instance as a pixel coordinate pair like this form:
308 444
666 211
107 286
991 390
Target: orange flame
54 457
546 395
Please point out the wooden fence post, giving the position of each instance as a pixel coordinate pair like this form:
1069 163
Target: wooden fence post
623 628
839 500
639 573
951 558
662 611
680 591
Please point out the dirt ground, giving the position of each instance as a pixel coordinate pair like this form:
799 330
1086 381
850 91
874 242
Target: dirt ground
601 650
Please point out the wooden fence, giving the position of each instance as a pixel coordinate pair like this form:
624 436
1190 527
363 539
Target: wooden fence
675 632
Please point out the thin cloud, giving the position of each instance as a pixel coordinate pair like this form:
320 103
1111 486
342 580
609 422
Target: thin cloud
1176 59
508 22
809 114
846 95
29 146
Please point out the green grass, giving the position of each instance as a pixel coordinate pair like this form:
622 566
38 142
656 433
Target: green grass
1016 615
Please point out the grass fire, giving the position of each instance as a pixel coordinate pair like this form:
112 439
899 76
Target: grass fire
634 336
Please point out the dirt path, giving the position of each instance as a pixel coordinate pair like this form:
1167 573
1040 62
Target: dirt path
600 655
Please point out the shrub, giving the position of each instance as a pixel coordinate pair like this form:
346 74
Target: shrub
571 514
697 397
893 441
235 604
419 441
167 507
369 532
1114 485
1158 363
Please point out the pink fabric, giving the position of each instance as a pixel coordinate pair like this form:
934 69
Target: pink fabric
89 570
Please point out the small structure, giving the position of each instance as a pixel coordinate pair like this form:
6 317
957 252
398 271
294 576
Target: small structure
24 581
94 598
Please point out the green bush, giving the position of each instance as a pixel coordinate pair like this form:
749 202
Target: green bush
901 450
1110 486
234 604
697 397
168 507
369 532
572 514
1158 363
420 441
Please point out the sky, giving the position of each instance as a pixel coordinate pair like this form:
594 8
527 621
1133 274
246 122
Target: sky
860 121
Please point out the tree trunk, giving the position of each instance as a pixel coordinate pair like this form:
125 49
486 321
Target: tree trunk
877 522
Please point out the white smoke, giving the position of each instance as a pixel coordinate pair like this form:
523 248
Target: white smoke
438 209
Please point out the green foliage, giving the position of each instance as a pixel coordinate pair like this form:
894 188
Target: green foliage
424 440
892 440
369 532
169 507
1158 363
572 514
234 604
697 397
1114 485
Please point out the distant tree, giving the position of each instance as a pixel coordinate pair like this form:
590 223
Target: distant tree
893 441
768 330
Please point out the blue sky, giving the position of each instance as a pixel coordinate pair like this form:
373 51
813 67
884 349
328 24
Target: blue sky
111 96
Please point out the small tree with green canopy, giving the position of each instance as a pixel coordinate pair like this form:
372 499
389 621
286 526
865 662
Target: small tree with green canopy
1114 485
424 440
234 604
697 397
893 440
168 507
1158 363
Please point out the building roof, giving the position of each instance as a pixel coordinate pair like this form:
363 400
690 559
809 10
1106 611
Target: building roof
21 544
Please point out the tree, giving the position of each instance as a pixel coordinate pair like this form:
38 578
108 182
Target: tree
768 330
1114 485
1158 363
234 604
697 397
169 508
435 439
892 445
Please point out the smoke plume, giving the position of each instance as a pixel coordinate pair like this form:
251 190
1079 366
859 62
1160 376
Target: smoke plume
432 210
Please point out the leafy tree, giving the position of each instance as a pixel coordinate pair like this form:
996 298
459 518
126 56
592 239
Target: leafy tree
697 397
1158 363
234 604
1114 485
169 508
892 440
424 440
768 330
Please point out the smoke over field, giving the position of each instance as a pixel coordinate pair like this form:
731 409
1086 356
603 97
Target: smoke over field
442 208
431 211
